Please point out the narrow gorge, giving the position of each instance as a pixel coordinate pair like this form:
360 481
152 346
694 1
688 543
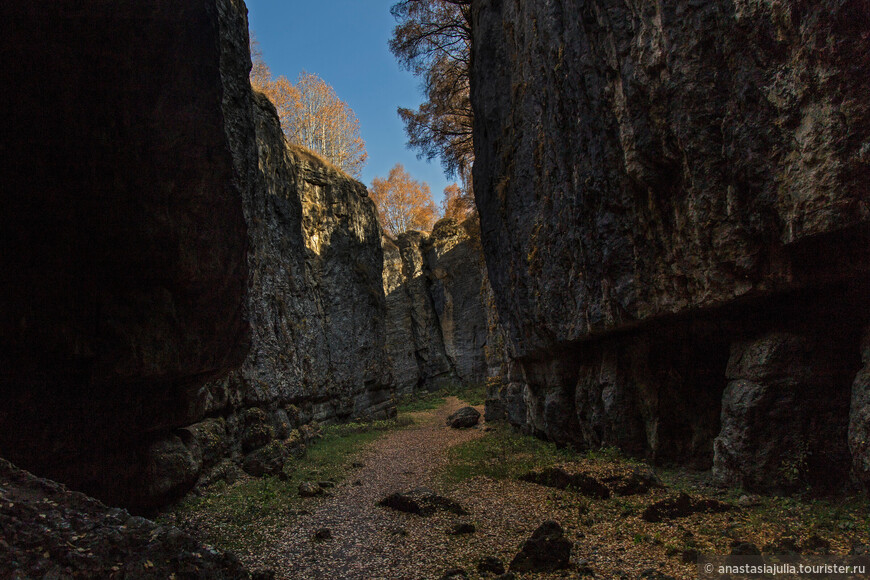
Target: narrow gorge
669 261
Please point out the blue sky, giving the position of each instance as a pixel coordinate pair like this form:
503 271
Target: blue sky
345 43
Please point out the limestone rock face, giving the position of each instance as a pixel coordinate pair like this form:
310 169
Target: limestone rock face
456 267
123 236
437 325
315 302
414 341
659 184
317 312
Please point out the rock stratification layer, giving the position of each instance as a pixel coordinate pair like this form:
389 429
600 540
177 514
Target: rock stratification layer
123 238
674 206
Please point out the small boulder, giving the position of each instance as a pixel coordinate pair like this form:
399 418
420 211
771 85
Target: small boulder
635 481
816 545
462 528
560 478
267 460
464 418
784 546
309 489
741 548
681 506
421 501
490 565
547 550
323 534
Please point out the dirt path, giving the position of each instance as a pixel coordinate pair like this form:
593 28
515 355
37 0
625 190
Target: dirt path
370 542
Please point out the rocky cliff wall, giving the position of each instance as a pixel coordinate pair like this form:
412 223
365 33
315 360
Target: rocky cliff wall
674 206
123 237
436 315
317 312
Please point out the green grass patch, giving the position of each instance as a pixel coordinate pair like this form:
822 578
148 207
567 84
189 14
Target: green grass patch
426 401
502 454
420 402
244 515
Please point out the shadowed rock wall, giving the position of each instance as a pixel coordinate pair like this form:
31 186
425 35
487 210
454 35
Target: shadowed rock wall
667 191
436 315
317 311
123 239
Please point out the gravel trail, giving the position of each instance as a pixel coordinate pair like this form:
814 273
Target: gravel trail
370 542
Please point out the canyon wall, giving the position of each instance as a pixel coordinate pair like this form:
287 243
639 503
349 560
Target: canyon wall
675 201
124 242
182 288
436 316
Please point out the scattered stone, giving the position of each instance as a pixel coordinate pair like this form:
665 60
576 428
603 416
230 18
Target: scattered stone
453 573
740 548
784 546
561 479
226 470
816 545
267 460
464 418
547 550
309 489
583 569
462 528
323 534
421 501
635 481
681 506
490 565
749 500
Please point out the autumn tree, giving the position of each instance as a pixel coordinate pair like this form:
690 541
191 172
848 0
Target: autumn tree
433 40
403 203
457 203
312 115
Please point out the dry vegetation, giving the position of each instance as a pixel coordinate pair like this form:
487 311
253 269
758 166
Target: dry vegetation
271 527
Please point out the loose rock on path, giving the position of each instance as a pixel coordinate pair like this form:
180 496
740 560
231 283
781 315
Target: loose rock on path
364 543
